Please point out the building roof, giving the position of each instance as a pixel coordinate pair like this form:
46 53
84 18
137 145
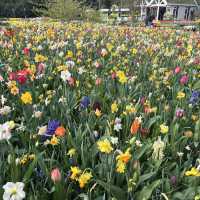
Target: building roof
171 2
183 2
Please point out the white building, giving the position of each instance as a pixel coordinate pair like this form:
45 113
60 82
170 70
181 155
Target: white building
169 9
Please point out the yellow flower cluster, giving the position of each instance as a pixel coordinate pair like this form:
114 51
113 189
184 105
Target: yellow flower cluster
24 159
12 86
122 160
40 58
193 172
26 98
82 177
122 77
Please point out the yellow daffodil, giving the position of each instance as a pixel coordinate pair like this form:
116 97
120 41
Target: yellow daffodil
180 95
114 107
164 129
84 179
193 172
26 98
75 171
104 146
71 152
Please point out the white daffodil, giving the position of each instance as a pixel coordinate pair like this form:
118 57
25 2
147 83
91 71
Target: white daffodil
5 131
65 75
5 110
117 125
13 191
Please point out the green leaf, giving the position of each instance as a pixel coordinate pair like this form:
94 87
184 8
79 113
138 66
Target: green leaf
152 121
145 177
30 170
142 150
196 85
146 192
117 192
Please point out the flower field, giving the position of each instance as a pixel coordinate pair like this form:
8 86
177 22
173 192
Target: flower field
98 113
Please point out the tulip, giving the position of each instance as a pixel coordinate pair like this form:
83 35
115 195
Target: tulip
184 79
177 70
60 131
26 51
98 81
180 113
55 175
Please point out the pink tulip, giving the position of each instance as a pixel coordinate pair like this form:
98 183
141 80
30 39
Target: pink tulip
1 78
177 70
41 68
98 81
113 75
184 79
55 175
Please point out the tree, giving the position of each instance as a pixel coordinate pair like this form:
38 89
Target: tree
61 9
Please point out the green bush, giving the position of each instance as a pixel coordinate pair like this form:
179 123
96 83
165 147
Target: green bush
63 9
92 15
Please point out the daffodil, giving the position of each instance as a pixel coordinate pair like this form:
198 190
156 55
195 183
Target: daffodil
75 172
104 146
84 178
164 129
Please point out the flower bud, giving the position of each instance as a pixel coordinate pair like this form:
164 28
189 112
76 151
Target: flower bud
55 175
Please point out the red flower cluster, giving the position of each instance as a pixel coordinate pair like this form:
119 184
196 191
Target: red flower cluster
19 76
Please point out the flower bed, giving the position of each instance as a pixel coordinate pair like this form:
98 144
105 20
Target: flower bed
95 112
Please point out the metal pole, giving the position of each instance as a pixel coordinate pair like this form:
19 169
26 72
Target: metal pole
158 13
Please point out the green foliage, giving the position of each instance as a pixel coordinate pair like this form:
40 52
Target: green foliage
61 9
92 15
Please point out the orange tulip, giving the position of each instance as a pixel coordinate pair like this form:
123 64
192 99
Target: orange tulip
135 125
60 131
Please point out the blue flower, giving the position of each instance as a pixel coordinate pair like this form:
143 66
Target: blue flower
195 97
52 126
85 102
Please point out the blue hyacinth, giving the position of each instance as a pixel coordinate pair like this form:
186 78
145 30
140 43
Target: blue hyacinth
85 102
195 97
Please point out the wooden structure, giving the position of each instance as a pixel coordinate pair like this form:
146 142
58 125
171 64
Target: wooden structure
169 9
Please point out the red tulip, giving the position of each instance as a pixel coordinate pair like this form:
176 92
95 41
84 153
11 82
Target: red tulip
26 51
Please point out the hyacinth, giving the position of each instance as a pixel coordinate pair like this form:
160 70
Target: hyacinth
158 148
85 102
195 97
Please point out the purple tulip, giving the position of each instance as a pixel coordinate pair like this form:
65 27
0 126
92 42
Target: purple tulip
179 113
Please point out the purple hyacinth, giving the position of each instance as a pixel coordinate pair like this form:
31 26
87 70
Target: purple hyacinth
195 97
52 126
85 102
